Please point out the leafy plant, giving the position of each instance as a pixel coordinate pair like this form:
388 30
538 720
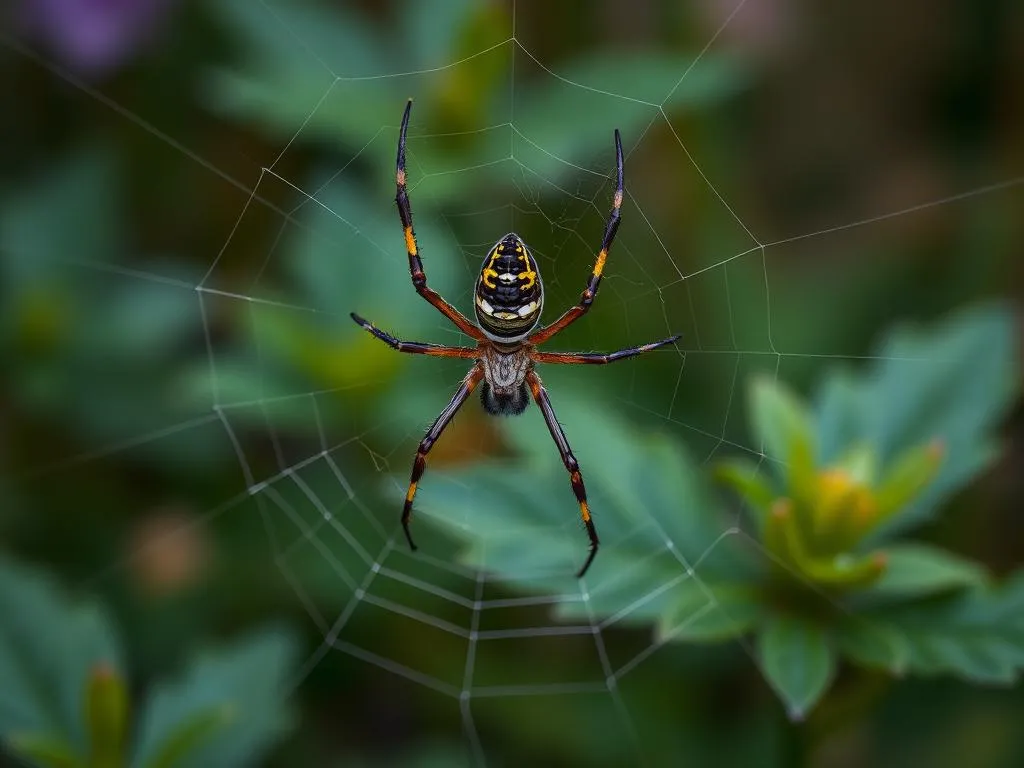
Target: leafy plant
821 575
64 700
327 85
91 342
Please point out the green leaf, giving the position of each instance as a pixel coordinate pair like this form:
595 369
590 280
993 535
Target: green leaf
80 192
784 428
784 539
872 644
339 267
976 634
227 710
312 66
746 478
958 385
798 661
662 532
106 713
709 614
642 81
46 657
913 570
47 751
908 477
140 321
839 415
191 733
433 26
951 383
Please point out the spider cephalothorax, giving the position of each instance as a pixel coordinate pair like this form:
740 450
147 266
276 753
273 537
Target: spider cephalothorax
508 300
504 391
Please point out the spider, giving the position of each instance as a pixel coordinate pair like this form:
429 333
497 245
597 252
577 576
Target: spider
508 299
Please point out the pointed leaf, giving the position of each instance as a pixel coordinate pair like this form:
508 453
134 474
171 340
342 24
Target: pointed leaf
646 78
747 479
712 614
293 50
783 426
913 570
839 414
873 644
227 711
106 714
46 657
798 661
908 478
960 384
46 751
976 634
781 537
661 529
846 571
191 733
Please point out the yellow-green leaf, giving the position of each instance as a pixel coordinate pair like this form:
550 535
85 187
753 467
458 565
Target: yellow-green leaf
46 751
106 714
783 425
750 482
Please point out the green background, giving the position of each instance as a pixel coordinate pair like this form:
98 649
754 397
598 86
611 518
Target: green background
183 235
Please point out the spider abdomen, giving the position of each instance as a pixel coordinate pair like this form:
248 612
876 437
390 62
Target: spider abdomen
509 293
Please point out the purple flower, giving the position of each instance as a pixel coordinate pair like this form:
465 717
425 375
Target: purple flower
94 37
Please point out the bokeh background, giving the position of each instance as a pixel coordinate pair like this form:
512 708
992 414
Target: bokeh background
195 195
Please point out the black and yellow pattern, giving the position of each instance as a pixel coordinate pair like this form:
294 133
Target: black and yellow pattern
508 299
509 293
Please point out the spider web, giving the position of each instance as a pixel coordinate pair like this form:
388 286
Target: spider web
316 498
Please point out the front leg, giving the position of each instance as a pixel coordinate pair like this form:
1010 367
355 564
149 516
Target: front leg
419 278
590 292
599 358
414 347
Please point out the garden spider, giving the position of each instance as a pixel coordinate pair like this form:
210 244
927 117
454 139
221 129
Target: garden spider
508 297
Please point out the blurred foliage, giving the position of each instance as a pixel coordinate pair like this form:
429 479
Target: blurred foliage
284 85
65 698
808 588
121 343
191 428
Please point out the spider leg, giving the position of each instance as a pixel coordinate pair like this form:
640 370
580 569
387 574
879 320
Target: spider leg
590 292
469 383
419 279
415 347
599 358
540 395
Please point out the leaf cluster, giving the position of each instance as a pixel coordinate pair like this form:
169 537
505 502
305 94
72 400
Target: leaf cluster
819 572
65 696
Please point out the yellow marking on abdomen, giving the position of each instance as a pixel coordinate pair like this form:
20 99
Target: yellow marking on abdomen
410 241
489 275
